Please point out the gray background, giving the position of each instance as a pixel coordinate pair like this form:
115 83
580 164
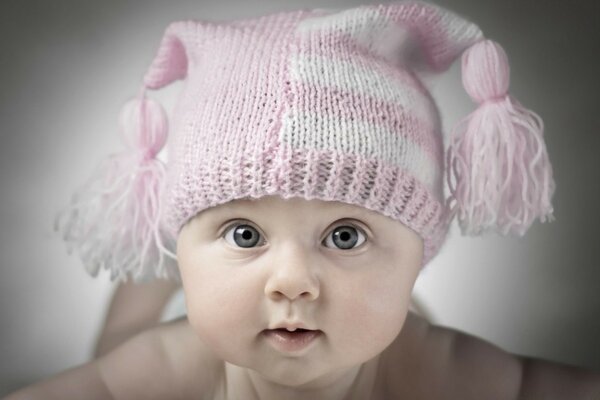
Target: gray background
68 66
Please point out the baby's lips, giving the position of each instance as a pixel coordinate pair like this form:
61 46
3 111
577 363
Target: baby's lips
291 341
291 326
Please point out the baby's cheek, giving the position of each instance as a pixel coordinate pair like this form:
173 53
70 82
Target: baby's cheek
384 300
376 311
202 299
216 310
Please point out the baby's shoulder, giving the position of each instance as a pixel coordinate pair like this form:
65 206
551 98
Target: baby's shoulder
167 361
194 367
429 361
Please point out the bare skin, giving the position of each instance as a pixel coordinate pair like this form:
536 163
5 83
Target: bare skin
424 362
370 346
134 308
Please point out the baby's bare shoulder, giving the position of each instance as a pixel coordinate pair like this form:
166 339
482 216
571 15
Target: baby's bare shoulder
195 367
430 362
168 361
433 362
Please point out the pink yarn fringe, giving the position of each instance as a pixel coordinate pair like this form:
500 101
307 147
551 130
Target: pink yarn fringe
113 220
497 166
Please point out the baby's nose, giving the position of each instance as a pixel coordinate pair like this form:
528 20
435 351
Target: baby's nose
293 276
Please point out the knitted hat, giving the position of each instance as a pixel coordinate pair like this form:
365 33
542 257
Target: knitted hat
318 104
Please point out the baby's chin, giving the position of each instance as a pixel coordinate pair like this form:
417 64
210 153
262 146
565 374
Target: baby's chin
298 374
292 377
263 365
311 371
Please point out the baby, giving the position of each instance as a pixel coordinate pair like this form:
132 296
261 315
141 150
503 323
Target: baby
303 196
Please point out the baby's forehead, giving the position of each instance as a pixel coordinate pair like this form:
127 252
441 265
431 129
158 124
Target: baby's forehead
274 204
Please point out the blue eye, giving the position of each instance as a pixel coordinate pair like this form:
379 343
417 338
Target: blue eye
345 237
242 235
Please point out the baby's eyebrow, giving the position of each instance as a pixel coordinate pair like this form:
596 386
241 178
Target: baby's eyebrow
232 211
222 212
344 211
338 212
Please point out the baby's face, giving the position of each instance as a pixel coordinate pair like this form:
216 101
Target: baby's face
340 270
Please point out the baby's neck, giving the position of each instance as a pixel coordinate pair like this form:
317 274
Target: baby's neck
355 383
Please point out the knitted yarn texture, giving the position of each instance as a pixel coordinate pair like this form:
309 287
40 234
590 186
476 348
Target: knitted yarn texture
318 104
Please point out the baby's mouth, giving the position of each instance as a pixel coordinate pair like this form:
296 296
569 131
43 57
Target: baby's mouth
290 341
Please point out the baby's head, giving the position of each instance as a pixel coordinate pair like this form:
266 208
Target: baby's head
296 134
250 266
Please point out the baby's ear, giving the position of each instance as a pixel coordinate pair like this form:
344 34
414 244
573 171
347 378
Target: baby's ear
172 58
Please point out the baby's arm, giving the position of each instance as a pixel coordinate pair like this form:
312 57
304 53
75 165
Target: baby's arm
151 365
446 363
83 382
546 380
134 308
525 378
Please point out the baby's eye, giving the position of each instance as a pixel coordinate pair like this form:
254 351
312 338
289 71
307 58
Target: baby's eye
345 237
242 235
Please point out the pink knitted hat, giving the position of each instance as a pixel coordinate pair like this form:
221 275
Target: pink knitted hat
320 104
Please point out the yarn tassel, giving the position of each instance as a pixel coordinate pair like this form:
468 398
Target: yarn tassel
113 220
497 167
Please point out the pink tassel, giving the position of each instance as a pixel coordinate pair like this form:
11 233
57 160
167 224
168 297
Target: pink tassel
498 170
113 221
